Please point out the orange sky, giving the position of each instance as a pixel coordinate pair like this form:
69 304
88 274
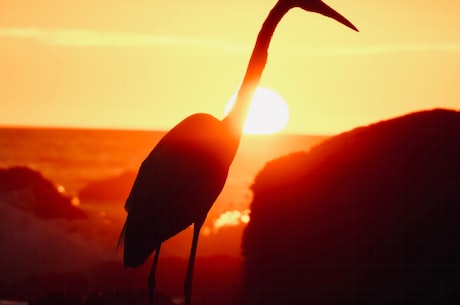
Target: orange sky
148 64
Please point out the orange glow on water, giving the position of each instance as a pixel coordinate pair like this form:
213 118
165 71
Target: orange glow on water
60 189
75 201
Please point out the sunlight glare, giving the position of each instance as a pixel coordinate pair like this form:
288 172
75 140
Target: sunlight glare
231 219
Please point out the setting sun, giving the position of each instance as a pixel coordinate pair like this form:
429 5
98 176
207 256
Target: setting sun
268 112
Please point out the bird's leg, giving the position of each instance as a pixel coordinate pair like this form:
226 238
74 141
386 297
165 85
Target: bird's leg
151 279
191 263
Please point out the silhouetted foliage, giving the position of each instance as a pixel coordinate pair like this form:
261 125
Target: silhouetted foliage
29 190
370 216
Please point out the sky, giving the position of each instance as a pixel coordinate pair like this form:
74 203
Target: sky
149 64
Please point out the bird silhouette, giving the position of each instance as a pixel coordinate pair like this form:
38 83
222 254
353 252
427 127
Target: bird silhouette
182 176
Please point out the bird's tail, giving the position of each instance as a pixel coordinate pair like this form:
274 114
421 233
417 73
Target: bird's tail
121 239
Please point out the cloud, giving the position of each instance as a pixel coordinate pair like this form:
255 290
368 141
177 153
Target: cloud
393 48
377 49
91 38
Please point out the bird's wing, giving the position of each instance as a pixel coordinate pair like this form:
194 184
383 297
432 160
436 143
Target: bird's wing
187 158
171 181
156 205
176 185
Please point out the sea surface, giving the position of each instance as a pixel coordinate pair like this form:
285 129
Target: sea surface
73 158
39 256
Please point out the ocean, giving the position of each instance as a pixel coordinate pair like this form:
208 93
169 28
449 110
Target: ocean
75 158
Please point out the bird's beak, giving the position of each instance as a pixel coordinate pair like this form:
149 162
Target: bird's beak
324 9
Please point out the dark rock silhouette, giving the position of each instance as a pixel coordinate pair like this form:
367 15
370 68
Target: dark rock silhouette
28 190
370 216
110 189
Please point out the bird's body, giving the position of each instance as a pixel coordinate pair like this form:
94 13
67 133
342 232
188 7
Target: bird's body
181 178
177 184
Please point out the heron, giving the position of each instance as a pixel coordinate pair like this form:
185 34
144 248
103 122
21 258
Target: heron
183 175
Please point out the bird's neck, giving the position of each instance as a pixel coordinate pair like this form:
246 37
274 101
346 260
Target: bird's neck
237 115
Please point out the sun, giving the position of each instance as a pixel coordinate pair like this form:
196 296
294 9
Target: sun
268 112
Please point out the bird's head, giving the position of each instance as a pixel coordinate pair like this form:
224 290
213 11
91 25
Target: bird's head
320 7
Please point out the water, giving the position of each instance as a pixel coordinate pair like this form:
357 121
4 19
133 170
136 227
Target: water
37 253
75 157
